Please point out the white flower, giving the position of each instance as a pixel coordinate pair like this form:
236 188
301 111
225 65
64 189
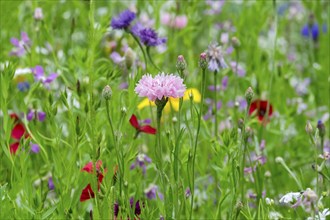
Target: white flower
290 197
274 215
322 215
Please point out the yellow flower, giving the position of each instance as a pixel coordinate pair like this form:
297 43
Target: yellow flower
173 103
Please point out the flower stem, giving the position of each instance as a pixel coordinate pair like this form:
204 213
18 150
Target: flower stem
151 61
215 106
196 142
141 48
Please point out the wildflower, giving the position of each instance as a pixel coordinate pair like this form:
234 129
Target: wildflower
310 30
235 42
141 161
137 208
123 20
181 63
150 38
177 22
322 215
34 148
145 128
249 95
215 57
203 62
210 111
260 106
321 128
309 128
240 70
17 133
87 192
163 85
34 114
38 15
39 75
187 192
152 191
51 185
20 46
116 58
290 197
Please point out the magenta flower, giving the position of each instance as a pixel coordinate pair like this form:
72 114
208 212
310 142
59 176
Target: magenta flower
162 85
20 46
40 76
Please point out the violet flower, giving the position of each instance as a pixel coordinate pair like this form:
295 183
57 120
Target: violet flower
215 56
141 161
150 38
34 114
312 31
240 70
20 46
23 86
123 20
210 111
35 148
51 185
152 191
39 75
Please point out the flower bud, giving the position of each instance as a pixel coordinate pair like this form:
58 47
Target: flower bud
279 160
309 128
123 110
181 63
321 128
249 95
107 92
236 43
129 58
203 63
38 15
240 123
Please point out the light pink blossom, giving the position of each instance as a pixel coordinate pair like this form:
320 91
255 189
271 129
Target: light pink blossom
162 85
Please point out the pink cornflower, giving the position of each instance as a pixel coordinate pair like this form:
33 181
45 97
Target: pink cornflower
162 85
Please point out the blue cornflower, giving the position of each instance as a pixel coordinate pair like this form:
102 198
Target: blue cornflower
150 38
123 20
23 86
310 31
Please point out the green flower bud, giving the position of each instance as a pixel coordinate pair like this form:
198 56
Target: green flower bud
107 92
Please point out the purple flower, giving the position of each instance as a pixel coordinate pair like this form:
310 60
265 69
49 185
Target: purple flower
150 38
310 31
187 192
224 82
39 115
35 148
137 210
212 88
39 75
152 191
240 71
23 86
215 56
210 111
141 161
123 20
20 46
116 58
51 185
163 85
137 28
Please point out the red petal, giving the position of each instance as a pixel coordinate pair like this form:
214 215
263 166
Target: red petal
14 147
14 116
148 129
18 131
87 193
98 164
253 106
88 167
134 122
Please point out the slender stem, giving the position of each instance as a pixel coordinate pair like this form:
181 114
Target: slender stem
141 48
116 148
215 106
236 81
196 142
151 61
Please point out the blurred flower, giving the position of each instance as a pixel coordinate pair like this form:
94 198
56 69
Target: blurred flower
290 197
51 185
162 85
210 111
215 56
34 114
23 86
240 70
187 192
35 148
39 75
20 46
116 58
137 208
300 85
123 20
173 103
17 133
152 191
141 161
260 107
150 38
88 193
173 21
38 15
215 6
310 30
321 127
145 128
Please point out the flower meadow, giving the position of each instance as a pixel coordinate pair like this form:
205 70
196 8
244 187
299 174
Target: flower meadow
165 109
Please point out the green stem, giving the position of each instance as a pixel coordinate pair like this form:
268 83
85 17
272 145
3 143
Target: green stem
151 61
115 142
141 48
196 142
215 106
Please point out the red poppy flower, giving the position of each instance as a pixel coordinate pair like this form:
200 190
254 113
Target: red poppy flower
260 106
87 192
145 128
17 133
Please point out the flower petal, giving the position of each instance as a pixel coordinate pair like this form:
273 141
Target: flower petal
148 129
14 147
134 122
18 131
87 193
